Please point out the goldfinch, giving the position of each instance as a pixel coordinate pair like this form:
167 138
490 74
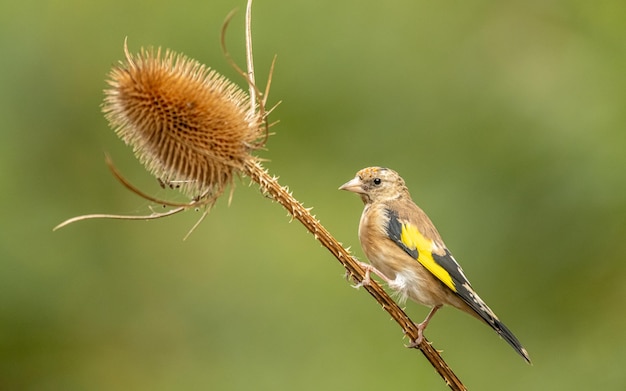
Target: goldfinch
406 251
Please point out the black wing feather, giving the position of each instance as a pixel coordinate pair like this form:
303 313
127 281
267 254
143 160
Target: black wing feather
394 231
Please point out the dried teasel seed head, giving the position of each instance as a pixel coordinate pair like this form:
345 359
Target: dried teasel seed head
185 122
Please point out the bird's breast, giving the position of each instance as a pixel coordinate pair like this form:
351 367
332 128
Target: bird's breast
381 251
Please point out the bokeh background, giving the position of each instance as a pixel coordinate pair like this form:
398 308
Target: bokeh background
507 120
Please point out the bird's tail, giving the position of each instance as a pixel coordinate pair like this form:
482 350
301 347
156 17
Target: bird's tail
485 313
508 336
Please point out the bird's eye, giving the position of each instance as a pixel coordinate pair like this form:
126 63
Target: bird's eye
377 181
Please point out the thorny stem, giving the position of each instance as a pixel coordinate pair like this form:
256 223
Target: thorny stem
270 186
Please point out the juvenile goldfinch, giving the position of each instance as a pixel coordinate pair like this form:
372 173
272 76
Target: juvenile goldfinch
406 251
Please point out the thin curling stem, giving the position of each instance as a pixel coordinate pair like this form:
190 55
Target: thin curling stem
249 57
271 187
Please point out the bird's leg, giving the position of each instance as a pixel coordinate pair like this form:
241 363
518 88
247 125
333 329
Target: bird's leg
422 326
368 270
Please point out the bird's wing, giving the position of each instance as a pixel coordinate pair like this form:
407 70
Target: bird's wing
436 259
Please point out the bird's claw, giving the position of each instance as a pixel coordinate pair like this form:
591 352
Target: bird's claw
366 281
415 344
368 268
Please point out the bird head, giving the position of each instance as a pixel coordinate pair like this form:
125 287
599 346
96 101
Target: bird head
376 184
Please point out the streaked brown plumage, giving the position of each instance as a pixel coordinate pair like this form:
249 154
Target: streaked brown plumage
406 251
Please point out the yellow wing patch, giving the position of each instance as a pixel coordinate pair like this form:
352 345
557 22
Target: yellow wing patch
413 239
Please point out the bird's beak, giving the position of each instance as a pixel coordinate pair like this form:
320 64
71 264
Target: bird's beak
354 186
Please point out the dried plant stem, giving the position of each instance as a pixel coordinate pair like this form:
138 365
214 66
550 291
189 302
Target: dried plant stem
271 187
250 57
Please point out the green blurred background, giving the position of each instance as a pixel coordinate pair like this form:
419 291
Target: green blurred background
507 120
